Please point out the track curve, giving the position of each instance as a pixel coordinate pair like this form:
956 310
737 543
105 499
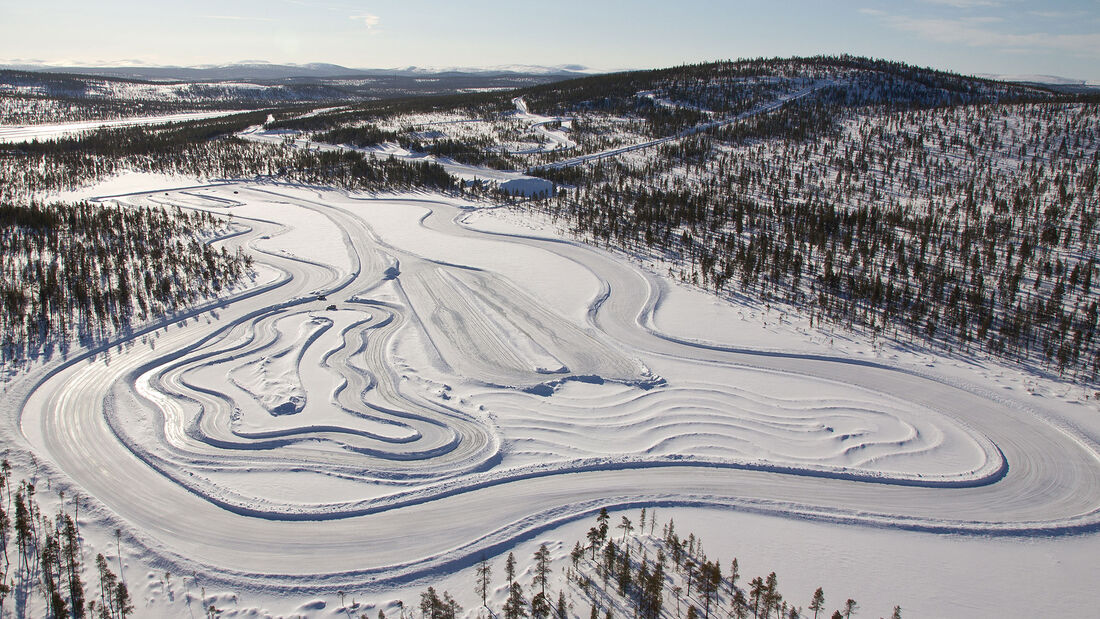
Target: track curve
169 438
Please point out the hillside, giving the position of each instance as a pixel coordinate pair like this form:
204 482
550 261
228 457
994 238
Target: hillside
914 204
331 359
49 96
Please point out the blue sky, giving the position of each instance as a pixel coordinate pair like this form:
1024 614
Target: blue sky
969 36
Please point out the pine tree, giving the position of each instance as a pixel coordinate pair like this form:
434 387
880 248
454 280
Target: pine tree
484 575
23 532
70 547
542 569
450 607
771 597
515 607
107 587
594 541
5 527
817 604
577 554
123 604
624 573
55 603
430 604
510 569
756 593
740 605
735 575
710 577
627 527
601 523
118 549
540 606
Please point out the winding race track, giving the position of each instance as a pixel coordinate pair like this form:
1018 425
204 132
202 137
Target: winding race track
456 390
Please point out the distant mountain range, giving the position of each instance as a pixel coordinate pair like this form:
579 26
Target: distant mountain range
262 71
1054 82
252 84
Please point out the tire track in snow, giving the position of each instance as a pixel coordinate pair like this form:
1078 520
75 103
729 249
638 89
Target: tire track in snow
1039 478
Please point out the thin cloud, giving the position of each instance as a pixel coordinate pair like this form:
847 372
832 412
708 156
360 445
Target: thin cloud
1057 14
966 4
239 18
966 32
370 21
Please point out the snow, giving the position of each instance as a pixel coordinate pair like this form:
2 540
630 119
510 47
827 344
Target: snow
527 187
619 150
510 181
502 68
538 123
127 182
482 385
16 134
1036 78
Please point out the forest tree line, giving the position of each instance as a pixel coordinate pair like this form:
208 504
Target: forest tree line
43 561
631 569
659 103
968 226
206 149
76 274
80 273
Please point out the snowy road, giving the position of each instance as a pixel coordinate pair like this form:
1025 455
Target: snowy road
537 123
471 388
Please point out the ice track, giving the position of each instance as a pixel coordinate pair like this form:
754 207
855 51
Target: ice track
456 398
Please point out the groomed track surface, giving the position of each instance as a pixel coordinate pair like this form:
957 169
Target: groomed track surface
454 402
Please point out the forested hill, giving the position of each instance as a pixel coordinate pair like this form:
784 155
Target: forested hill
36 97
915 204
614 109
725 86
911 203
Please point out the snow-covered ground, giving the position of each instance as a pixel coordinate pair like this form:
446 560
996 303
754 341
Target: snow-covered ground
538 123
510 181
467 384
27 133
705 126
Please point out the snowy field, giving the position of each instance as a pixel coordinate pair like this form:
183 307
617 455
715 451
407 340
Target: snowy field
416 382
44 132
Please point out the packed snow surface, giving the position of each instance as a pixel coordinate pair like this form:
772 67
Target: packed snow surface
413 392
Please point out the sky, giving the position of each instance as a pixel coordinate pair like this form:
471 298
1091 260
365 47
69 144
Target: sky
1002 37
